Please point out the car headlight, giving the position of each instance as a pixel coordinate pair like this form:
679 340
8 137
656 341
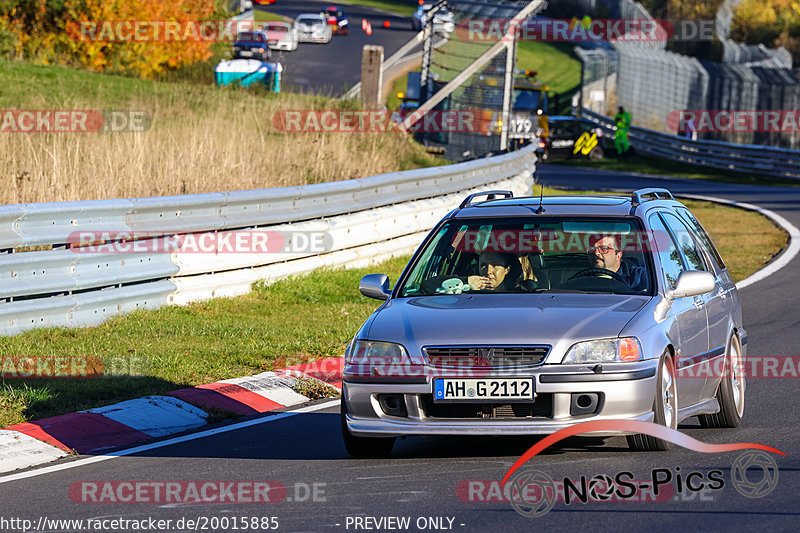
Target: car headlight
374 352
605 351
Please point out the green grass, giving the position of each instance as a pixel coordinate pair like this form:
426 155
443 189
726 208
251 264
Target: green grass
664 167
295 319
558 66
25 85
291 321
264 16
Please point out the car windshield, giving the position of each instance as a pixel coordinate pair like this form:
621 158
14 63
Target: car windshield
526 100
563 254
311 21
251 36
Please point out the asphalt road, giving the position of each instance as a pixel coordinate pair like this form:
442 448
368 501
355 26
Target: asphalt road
333 68
421 478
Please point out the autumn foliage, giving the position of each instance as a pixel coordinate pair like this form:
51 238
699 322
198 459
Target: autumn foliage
46 32
769 22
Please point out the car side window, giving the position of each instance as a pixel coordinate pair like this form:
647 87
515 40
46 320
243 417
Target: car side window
691 252
698 230
667 251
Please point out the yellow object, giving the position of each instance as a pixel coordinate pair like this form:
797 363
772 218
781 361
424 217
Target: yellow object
585 143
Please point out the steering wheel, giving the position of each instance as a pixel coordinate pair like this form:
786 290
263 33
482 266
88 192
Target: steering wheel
599 272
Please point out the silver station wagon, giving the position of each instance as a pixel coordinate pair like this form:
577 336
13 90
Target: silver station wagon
529 315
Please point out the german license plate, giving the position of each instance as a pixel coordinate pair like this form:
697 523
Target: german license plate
470 390
246 53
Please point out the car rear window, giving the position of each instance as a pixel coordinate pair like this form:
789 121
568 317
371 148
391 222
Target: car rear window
251 36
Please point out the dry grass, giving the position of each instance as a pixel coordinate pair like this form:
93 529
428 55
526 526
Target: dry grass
202 139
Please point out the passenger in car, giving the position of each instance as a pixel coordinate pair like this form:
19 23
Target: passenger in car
496 271
606 252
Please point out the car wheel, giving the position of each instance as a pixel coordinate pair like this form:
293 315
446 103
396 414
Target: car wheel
364 446
665 408
596 154
730 392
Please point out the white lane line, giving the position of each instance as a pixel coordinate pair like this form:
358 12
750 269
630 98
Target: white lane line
784 259
163 443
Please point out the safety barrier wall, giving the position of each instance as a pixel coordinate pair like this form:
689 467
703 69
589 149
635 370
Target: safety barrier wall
46 282
754 159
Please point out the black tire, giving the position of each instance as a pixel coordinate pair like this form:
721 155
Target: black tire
596 154
730 392
364 446
648 443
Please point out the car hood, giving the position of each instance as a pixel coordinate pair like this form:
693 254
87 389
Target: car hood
508 319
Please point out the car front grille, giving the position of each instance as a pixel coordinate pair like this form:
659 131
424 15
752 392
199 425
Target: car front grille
542 407
485 356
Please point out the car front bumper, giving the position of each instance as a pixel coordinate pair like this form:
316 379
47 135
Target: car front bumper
624 392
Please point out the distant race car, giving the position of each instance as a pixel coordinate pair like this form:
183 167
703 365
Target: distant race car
251 45
572 137
281 36
442 20
313 28
337 19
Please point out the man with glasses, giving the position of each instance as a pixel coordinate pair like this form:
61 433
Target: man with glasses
606 252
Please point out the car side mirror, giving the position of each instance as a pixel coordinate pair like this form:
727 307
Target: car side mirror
375 286
692 283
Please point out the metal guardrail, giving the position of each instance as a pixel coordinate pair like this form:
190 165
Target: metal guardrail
366 219
754 159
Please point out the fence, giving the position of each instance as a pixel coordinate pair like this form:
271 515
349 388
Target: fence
754 159
651 82
365 220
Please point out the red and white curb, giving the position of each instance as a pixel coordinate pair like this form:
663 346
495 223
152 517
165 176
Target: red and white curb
131 421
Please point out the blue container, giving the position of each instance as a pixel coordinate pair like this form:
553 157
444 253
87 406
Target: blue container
248 72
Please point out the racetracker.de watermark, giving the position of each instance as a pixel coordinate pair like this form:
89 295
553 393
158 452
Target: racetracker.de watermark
74 120
596 30
527 241
222 242
186 492
734 120
160 31
751 367
338 121
53 366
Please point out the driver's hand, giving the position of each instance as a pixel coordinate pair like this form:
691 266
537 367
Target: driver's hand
477 283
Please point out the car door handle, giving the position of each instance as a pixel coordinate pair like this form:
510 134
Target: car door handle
698 302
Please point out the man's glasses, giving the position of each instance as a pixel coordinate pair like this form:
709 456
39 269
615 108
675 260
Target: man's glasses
603 249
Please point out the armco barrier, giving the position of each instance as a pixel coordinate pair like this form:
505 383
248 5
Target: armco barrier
366 220
755 159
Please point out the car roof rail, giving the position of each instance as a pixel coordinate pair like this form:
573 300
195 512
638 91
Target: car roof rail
491 195
640 196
